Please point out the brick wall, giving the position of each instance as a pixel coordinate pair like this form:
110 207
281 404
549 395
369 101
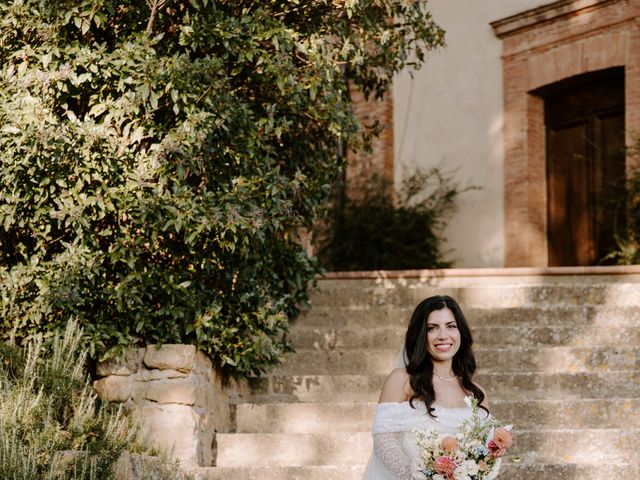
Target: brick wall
363 166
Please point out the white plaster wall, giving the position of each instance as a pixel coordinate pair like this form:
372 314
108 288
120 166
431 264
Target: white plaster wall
450 113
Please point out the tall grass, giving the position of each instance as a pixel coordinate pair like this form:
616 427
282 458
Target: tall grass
52 424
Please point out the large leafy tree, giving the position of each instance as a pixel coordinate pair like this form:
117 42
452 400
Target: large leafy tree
157 159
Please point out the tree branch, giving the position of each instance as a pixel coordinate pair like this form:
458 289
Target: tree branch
154 5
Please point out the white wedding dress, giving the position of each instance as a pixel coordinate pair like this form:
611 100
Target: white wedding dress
394 444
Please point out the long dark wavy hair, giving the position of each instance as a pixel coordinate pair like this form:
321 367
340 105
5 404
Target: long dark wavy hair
419 362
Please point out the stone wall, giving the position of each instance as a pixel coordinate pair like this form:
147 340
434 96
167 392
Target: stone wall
176 395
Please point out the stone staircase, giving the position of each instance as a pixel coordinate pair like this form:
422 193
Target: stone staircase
559 357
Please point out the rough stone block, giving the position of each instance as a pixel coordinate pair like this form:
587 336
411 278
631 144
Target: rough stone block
182 391
171 356
173 429
127 365
115 388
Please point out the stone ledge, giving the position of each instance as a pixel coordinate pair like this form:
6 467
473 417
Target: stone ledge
483 272
510 25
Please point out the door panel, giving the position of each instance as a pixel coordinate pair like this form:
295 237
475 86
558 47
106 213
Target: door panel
584 120
568 177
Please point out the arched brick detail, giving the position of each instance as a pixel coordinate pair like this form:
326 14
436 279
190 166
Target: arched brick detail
540 47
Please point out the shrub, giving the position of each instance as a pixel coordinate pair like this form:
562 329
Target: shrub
627 251
158 158
51 424
372 231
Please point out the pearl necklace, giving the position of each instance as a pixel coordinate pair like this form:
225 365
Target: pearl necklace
446 379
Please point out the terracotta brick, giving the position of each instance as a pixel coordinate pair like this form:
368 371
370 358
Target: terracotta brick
604 51
363 166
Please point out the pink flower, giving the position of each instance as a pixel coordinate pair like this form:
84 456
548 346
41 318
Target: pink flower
445 466
495 450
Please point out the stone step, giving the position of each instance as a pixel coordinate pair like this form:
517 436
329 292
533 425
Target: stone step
583 446
577 316
349 472
503 386
319 338
363 294
358 417
323 472
293 450
569 471
509 359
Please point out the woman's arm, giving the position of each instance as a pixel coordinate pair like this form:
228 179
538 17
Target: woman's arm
387 446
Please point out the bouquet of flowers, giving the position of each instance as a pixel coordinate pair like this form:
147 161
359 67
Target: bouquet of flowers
473 454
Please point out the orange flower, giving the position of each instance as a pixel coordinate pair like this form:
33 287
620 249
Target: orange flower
449 444
482 465
503 438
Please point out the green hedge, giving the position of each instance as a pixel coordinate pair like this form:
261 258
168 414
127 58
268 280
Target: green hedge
158 159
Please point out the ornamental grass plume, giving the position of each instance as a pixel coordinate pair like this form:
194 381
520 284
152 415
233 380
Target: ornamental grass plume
52 424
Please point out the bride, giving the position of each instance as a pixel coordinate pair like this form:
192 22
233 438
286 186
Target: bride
428 392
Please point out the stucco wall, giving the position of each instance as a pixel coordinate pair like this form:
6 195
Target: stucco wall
451 112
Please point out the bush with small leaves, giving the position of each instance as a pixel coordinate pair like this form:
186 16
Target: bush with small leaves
158 159
392 231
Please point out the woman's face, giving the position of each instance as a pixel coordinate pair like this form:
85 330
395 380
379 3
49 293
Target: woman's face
443 336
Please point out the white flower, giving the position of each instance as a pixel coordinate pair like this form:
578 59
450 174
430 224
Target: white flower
467 401
495 470
470 467
437 476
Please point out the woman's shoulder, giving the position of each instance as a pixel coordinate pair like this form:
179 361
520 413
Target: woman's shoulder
396 387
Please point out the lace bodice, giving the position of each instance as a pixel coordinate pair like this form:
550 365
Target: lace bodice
402 417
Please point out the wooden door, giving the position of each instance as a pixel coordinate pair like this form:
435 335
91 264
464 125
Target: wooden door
585 167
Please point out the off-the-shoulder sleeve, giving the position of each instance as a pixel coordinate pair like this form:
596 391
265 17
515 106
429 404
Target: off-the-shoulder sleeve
396 417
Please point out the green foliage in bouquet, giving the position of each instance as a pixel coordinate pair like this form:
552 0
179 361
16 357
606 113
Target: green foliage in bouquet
378 231
475 453
159 158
